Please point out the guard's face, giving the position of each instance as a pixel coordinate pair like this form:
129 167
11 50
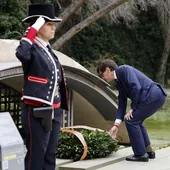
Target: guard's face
47 31
107 75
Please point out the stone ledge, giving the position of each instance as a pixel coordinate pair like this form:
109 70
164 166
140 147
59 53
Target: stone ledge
97 163
160 163
60 162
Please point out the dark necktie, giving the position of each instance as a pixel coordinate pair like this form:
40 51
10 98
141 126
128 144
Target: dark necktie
51 52
49 49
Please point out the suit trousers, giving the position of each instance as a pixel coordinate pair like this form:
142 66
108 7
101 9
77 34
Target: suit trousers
41 145
137 132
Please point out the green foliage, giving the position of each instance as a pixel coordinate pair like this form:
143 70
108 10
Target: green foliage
158 125
100 144
41 1
11 14
140 46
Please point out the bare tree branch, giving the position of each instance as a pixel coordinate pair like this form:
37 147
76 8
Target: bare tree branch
72 8
85 23
164 15
127 12
59 6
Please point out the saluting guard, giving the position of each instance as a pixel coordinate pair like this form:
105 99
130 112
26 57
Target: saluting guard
44 91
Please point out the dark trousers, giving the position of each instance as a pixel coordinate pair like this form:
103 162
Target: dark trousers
137 132
41 145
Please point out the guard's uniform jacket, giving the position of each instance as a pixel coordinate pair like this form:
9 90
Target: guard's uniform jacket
42 81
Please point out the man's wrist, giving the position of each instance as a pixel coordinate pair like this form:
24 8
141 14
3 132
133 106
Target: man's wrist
116 125
30 34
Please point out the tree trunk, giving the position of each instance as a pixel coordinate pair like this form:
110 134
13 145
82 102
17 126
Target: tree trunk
72 8
85 23
164 17
164 59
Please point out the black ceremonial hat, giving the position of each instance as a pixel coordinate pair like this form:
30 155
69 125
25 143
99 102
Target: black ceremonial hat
44 10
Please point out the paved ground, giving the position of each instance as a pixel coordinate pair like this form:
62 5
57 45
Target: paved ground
162 162
159 143
116 161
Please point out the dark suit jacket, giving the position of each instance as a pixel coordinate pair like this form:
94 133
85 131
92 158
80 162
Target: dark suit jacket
134 85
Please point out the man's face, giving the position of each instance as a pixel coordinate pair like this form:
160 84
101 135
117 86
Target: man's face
107 75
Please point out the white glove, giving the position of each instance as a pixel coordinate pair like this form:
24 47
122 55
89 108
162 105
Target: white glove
39 23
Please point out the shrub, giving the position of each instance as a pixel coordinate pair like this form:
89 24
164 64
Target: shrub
100 144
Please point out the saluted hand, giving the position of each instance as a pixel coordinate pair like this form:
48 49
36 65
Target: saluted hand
39 23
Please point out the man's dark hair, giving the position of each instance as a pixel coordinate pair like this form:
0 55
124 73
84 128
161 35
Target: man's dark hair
104 64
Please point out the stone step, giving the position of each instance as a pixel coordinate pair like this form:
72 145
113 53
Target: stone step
96 163
60 162
160 163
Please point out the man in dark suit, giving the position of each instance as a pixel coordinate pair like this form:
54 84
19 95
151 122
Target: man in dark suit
146 98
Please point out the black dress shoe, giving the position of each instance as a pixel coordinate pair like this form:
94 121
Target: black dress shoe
143 158
151 155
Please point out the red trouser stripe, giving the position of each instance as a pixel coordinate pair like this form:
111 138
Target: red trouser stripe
29 125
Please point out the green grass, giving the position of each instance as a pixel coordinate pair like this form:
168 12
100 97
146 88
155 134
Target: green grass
158 125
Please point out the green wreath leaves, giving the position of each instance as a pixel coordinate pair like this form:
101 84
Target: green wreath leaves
100 144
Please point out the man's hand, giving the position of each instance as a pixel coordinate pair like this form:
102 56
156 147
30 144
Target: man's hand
39 23
128 115
113 132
